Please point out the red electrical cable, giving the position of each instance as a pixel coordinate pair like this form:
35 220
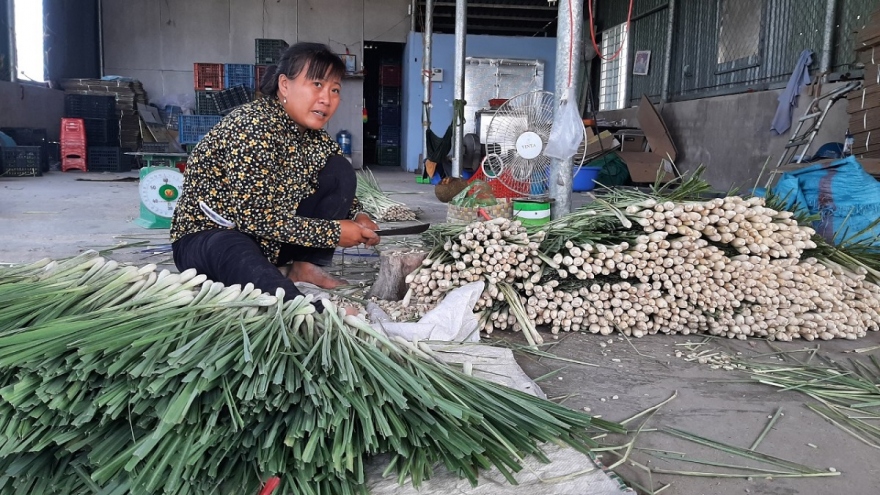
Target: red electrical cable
593 32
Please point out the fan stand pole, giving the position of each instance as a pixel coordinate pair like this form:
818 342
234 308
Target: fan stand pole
569 46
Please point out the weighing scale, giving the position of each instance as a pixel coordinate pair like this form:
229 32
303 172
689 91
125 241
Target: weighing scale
159 188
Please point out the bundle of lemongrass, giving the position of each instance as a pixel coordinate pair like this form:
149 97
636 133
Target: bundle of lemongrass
123 380
377 204
670 262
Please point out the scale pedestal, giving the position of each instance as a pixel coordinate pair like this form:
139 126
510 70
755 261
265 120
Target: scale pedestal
159 189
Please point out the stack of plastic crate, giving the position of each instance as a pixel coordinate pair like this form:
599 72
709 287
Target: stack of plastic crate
389 114
99 117
73 144
207 79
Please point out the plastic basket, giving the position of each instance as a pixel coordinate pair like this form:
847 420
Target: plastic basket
154 147
499 190
206 103
102 132
259 72
228 99
26 136
22 161
192 128
90 106
269 51
389 136
208 76
389 96
238 75
389 116
170 116
73 131
389 155
389 75
108 159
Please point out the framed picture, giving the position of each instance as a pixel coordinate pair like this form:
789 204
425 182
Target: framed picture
350 63
642 62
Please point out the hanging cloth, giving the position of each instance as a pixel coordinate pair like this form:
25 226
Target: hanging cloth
439 147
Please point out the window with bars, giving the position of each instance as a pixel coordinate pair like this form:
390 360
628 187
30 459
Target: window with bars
612 80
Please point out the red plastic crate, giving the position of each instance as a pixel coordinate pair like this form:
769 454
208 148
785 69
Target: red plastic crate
259 72
499 190
73 131
390 75
208 76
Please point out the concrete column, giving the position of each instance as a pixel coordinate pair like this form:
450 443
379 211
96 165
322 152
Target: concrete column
569 48
10 13
458 92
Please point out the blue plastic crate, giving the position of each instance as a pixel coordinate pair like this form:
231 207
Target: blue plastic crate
192 128
389 155
239 75
389 96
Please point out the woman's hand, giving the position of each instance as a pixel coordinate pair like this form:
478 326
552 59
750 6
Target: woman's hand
364 220
354 234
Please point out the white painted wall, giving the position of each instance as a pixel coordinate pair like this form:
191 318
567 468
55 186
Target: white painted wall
157 41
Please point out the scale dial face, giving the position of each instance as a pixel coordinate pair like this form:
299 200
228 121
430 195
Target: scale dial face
160 189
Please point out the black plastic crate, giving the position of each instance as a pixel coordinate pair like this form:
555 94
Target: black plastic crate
389 136
389 96
206 103
102 132
389 155
89 106
269 51
228 99
154 147
26 136
107 159
389 116
22 161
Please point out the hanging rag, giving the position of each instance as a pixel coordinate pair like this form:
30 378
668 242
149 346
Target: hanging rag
439 147
788 99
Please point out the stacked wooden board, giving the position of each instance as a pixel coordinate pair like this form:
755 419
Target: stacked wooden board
864 105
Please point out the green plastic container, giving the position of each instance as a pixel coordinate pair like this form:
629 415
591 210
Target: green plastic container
531 212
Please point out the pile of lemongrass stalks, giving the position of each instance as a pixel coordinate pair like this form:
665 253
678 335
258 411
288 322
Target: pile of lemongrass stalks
377 204
124 380
667 262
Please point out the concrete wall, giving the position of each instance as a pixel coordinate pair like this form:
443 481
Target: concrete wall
26 105
443 56
157 41
731 135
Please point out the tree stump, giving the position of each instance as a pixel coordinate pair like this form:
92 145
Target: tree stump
394 266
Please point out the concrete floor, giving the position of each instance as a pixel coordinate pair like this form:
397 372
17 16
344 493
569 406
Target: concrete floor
61 214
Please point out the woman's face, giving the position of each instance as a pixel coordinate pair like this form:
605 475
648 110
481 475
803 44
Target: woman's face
310 102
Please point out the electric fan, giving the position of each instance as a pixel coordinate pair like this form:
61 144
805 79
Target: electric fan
516 138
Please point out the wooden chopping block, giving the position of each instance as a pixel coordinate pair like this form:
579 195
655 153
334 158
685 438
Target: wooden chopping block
394 266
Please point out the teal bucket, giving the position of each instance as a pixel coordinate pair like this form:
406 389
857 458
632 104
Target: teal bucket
583 179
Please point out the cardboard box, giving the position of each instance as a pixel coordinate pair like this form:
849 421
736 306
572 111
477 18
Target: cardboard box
631 140
646 166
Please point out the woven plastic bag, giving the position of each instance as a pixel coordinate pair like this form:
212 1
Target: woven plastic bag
568 129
